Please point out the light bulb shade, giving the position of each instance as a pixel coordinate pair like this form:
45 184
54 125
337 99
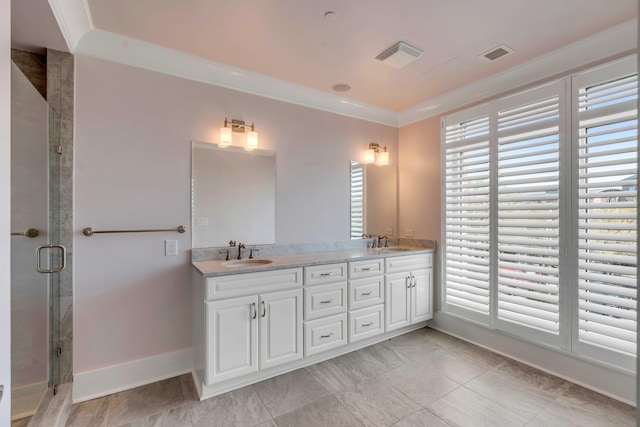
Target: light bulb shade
370 156
225 137
383 158
252 140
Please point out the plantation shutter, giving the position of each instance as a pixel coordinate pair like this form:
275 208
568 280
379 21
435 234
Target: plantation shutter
466 194
528 167
607 215
357 200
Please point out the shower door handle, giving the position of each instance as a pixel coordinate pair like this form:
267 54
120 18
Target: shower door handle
63 262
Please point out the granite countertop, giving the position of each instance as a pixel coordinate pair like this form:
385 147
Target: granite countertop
216 268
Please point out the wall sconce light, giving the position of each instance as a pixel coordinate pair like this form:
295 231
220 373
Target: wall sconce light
377 154
238 126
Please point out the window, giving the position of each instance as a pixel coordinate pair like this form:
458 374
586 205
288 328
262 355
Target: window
607 168
467 183
528 205
540 216
357 200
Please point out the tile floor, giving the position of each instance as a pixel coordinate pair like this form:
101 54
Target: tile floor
424 378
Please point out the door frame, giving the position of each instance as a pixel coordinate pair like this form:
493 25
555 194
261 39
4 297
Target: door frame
5 211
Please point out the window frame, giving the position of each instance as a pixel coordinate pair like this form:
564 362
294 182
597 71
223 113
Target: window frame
567 339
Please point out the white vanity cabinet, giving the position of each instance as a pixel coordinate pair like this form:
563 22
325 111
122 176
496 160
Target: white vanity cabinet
251 326
408 285
253 332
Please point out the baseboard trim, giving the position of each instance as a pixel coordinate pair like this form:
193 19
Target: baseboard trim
614 383
113 379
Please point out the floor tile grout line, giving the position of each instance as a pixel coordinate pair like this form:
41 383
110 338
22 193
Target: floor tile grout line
347 409
263 404
437 416
405 395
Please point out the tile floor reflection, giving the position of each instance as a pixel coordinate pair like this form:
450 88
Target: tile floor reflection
424 378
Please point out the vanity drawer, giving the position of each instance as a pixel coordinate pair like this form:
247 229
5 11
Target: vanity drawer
325 300
407 263
320 274
366 268
366 292
236 285
366 322
324 334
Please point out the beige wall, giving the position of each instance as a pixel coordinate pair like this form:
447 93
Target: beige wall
419 183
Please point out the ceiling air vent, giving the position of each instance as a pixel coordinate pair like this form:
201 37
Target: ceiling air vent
496 52
399 55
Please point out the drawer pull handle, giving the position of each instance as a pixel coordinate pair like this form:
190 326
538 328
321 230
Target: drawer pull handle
326 274
255 310
364 325
264 309
365 268
327 336
327 301
365 294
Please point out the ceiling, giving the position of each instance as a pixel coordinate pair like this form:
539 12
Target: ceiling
292 41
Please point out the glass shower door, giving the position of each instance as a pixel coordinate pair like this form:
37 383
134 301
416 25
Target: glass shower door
33 257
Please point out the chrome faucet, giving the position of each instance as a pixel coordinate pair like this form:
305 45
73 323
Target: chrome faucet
240 248
372 243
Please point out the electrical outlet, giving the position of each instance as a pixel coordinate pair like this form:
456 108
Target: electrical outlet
388 231
408 232
170 248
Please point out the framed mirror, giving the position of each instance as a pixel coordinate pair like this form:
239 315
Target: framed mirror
374 200
233 195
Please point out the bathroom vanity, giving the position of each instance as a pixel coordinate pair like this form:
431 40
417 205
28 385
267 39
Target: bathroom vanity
262 318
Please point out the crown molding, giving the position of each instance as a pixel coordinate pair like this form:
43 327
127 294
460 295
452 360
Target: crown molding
74 19
125 50
615 41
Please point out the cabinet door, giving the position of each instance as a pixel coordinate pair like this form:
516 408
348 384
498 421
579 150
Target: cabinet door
397 297
232 338
421 301
280 316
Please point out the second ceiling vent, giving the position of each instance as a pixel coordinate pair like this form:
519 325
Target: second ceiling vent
399 55
496 52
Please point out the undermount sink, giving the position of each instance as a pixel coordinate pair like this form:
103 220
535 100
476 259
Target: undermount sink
241 262
395 249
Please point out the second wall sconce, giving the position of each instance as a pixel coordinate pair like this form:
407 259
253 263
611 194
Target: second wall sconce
377 154
235 125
